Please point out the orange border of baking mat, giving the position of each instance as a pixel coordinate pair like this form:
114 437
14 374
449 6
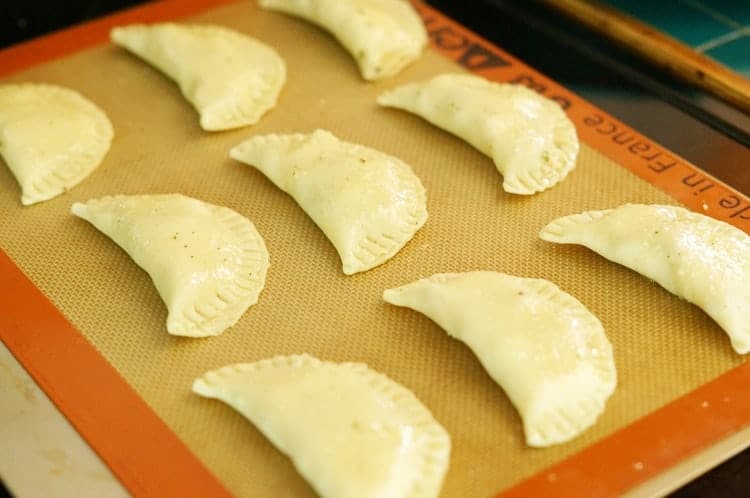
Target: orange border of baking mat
139 448
665 170
147 457
150 460
91 33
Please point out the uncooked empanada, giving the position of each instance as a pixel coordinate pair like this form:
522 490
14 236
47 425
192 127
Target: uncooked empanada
367 203
208 262
698 258
50 137
546 350
350 431
230 78
383 36
530 139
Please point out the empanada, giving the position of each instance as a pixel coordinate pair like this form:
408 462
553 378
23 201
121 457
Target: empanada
367 203
350 431
208 262
50 137
698 258
530 139
544 348
230 78
383 36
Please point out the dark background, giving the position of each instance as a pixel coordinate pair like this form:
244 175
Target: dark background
568 53
24 19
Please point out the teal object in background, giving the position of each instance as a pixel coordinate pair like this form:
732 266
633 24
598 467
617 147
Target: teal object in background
735 54
719 29
735 10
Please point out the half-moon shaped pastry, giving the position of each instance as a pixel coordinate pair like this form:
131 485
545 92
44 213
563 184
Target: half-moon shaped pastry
545 349
230 78
208 262
703 260
350 431
530 139
367 203
50 137
383 36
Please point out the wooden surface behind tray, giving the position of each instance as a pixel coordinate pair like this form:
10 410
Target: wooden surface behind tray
668 53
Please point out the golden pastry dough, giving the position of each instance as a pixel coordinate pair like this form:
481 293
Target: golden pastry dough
50 137
350 431
208 263
530 139
545 349
383 36
230 78
367 203
698 258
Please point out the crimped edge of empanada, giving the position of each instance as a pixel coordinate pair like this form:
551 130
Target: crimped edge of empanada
376 62
78 167
230 301
557 423
553 423
255 102
563 230
237 110
435 446
373 249
556 163
551 168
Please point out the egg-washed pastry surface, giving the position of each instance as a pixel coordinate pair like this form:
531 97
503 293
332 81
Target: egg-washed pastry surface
530 139
208 262
230 78
369 204
51 138
545 349
350 431
698 258
383 36
308 304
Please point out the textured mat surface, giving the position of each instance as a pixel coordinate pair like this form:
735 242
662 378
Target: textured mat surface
664 346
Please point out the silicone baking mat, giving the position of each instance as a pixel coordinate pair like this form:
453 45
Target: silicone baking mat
665 348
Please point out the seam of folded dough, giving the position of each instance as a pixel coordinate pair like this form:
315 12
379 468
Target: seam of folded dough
208 262
541 345
369 204
383 36
271 407
231 79
530 139
698 258
564 417
233 298
76 136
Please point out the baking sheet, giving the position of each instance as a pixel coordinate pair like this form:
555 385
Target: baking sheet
664 347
